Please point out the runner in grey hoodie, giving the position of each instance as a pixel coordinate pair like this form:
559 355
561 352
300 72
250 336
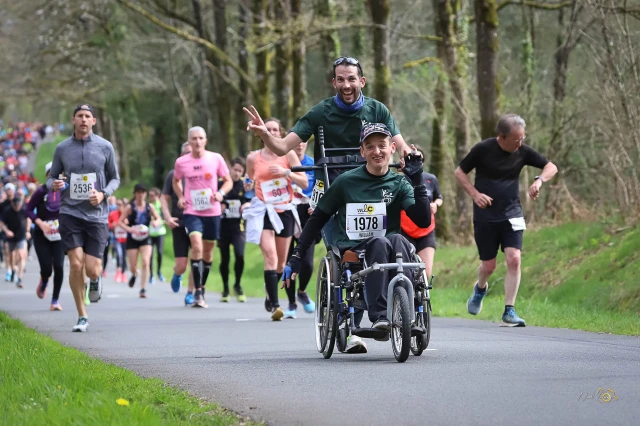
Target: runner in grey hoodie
84 169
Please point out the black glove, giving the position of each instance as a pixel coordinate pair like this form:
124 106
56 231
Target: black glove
413 168
294 265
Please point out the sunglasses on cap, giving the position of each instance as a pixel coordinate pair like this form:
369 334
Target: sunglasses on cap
347 59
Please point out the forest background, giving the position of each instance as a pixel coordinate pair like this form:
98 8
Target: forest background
446 68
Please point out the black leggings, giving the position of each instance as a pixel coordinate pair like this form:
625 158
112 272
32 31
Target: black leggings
307 262
105 258
51 258
158 244
237 239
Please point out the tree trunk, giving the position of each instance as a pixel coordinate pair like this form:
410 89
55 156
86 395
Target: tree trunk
448 11
329 41
242 99
381 56
487 65
438 144
263 63
208 100
283 63
298 72
358 36
223 94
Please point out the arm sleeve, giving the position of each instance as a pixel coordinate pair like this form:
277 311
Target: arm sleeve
389 121
56 168
469 162
534 158
167 188
311 230
36 198
415 202
223 170
436 186
307 124
111 172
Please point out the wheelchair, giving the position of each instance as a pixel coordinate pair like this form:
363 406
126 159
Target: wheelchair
340 291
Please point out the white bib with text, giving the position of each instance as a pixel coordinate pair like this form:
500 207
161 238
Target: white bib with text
201 199
233 211
81 184
54 235
366 220
275 191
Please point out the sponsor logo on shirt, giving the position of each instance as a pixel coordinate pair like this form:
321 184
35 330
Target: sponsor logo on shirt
366 209
208 176
197 167
387 196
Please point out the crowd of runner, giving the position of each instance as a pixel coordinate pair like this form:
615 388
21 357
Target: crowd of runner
206 200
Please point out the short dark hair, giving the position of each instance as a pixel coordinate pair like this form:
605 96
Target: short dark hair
139 188
347 64
155 190
238 160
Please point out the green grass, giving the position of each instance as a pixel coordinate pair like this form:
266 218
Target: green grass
43 382
578 275
45 155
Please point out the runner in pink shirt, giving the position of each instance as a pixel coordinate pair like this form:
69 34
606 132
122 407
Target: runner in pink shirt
200 198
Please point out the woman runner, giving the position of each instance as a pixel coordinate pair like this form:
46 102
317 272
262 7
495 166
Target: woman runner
272 203
43 209
136 219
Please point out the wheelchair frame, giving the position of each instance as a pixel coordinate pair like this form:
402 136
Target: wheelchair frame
339 291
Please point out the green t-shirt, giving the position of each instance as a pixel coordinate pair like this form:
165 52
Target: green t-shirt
360 198
156 232
341 128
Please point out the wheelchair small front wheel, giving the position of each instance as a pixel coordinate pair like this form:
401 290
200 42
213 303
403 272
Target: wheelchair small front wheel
341 341
423 319
401 318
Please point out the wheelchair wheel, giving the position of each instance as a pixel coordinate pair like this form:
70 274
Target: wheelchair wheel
342 339
325 316
423 319
401 317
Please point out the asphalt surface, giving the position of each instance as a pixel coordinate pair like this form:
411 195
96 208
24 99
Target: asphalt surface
475 373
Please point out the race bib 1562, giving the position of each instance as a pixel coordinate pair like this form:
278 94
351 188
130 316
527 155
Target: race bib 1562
201 199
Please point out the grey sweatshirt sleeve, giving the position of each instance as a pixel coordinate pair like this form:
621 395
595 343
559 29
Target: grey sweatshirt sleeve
111 172
56 168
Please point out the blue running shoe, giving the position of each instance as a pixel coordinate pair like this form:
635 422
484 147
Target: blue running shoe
161 277
511 319
188 299
308 304
7 277
291 312
151 280
176 282
474 304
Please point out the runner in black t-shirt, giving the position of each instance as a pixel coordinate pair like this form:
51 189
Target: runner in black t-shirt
181 243
232 231
498 220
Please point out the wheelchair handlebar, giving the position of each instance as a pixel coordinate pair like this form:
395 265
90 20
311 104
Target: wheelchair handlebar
334 166
385 267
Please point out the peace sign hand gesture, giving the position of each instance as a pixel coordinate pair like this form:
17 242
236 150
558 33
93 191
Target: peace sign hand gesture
255 124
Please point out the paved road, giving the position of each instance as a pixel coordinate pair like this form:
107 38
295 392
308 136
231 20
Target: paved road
477 373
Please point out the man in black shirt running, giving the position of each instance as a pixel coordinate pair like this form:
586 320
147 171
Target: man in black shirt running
498 220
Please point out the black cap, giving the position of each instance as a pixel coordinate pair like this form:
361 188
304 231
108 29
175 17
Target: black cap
139 188
84 107
370 128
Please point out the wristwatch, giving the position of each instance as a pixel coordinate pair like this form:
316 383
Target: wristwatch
221 192
287 173
539 177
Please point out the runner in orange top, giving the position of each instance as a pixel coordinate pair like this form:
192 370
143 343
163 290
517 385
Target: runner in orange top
272 177
424 239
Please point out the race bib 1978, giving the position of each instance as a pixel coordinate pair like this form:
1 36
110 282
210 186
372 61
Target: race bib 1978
366 220
81 184
201 199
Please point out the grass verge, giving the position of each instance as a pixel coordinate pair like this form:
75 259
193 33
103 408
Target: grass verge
45 155
44 382
578 275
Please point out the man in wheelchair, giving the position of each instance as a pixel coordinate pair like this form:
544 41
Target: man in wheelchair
367 202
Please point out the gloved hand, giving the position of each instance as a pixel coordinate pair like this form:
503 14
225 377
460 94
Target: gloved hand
291 270
413 168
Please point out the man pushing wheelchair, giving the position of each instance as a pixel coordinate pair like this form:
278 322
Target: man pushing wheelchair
367 202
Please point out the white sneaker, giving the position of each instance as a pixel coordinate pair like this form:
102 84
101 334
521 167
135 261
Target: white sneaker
355 345
95 290
82 325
